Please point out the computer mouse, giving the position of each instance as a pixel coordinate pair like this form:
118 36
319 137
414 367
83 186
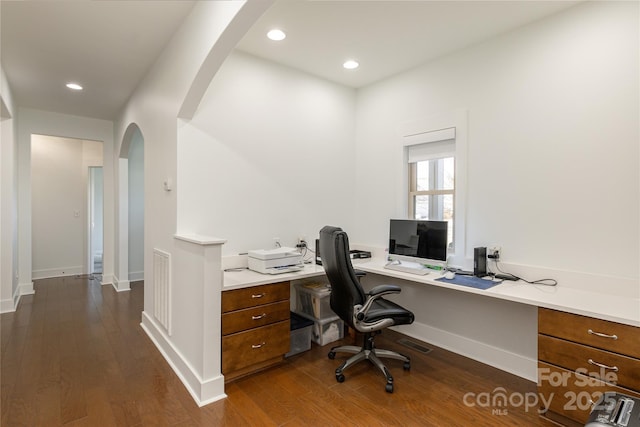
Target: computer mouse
449 275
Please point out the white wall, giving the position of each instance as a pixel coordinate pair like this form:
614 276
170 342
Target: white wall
9 290
59 202
172 86
553 140
136 208
268 154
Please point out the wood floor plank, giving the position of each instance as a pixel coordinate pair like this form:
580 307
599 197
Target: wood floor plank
74 354
98 408
47 404
251 410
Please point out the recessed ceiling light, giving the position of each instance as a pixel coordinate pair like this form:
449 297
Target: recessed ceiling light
74 86
351 64
276 35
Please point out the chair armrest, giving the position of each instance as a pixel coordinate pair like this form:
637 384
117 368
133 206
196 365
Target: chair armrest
359 274
360 311
384 289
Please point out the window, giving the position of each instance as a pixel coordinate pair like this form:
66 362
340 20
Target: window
426 141
432 183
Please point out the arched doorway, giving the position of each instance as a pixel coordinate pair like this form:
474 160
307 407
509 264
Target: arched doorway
130 210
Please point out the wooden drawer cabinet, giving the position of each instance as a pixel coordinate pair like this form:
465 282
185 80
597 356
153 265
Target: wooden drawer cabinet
580 358
255 346
571 395
616 337
601 364
255 328
253 317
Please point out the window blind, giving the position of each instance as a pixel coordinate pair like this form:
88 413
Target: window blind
431 150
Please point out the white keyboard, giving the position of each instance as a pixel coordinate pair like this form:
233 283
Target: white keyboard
408 267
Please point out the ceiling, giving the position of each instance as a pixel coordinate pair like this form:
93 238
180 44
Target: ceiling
385 37
108 46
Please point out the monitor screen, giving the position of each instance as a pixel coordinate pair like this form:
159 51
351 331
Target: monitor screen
418 239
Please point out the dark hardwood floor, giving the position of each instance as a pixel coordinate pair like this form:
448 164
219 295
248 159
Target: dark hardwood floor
74 354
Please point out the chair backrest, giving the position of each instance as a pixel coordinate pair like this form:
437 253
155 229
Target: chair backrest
345 287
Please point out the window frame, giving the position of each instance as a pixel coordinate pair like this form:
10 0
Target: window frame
434 129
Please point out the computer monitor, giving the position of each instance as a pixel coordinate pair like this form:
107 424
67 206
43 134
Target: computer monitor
418 240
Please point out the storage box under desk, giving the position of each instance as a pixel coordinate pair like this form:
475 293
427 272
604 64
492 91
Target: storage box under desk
301 329
327 330
314 300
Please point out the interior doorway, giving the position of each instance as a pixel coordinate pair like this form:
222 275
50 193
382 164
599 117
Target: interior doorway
130 259
96 227
61 214
136 207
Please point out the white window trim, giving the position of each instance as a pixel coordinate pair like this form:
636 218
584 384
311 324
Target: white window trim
437 128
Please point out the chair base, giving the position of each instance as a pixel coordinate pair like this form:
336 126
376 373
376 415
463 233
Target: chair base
370 353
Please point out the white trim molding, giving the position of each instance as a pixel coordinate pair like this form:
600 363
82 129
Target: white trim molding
121 285
57 272
434 128
203 391
136 276
10 305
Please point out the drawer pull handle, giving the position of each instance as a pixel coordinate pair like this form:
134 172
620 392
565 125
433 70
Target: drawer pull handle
258 317
600 365
255 346
258 295
600 334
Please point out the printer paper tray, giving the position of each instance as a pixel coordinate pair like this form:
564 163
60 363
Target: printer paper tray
284 269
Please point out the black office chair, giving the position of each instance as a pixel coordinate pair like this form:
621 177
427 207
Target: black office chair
365 312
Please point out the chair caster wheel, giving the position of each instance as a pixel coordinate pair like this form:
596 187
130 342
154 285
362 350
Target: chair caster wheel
389 388
332 355
340 378
406 366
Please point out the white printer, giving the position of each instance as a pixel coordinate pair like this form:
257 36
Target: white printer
275 261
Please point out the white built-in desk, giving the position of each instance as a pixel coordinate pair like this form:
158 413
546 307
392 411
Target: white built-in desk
604 306
497 326
599 305
243 278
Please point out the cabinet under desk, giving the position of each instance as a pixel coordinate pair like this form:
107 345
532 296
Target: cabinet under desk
579 359
255 328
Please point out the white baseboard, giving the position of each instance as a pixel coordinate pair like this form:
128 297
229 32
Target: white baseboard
121 285
107 279
57 272
203 392
9 305
504 360
136 276
24 289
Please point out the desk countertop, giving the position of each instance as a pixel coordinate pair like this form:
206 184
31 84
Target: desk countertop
593 304
243 278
